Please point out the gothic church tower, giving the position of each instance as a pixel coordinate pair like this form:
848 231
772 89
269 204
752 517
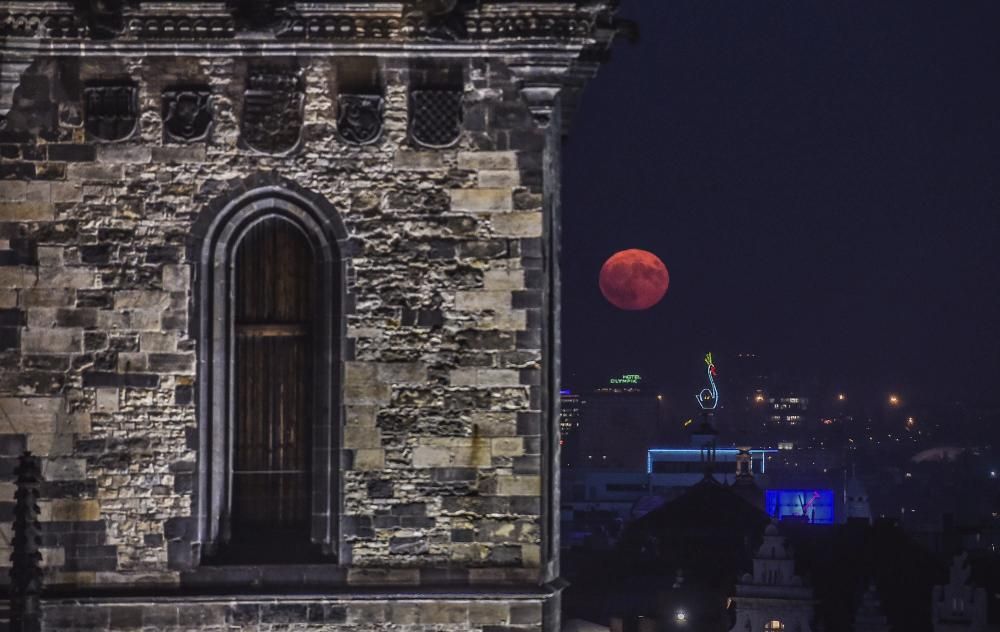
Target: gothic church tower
279 306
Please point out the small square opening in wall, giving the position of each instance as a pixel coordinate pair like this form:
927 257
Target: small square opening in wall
110 110
360 101
436 105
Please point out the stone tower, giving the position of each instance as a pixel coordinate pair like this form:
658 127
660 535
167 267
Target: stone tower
773 598
959 606
869 616
278 306
856 504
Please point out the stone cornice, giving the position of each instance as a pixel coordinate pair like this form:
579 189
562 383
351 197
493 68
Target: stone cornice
552 46
300 22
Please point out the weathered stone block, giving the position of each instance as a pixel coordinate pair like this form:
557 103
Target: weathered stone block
518 485
499 179
13 190
444 613
52 340
26 211
47 297
517 224
178 154
495 424
106 399
481 200
69 510
503 279
66 192
158 342
473 376
176 278
16 276
51 256
487 160
451 452
513 320
124 153
507 446
131 299
401 373
361 385
476 300
360 415
78 278
362 437
489 613
410 160
131 362
86 172
368 459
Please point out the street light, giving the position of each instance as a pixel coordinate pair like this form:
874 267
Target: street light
894 400
841 397
680 616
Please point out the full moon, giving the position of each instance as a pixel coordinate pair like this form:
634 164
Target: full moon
634 279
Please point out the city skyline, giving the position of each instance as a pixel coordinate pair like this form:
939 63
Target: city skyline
819 180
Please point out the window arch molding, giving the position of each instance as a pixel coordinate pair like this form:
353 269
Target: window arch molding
217 235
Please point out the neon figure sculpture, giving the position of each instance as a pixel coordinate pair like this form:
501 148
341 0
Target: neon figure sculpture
708 398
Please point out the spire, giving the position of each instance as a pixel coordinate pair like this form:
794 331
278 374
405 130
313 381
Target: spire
25 567
869 617
959 605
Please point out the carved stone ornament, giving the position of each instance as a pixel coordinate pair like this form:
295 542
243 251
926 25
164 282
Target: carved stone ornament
273 110
102 17
435 117
187 114
359 117
111 111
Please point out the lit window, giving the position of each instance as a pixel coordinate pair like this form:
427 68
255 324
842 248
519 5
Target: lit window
774 626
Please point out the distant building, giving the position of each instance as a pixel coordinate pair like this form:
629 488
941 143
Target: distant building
675 468
869 617
571 407
856 503
787 411
773 598
959 606
747 382
618 424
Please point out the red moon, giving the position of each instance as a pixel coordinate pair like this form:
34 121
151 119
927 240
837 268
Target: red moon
634 279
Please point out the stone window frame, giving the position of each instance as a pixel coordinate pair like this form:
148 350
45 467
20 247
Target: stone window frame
217 235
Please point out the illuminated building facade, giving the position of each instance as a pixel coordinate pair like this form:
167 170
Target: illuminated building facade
571 407
786 413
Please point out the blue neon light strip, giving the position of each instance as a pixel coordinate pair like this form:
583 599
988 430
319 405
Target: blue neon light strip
649 454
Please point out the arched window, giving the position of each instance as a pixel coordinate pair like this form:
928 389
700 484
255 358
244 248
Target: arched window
273 320
270 297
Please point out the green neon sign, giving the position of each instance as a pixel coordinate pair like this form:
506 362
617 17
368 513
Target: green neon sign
628 378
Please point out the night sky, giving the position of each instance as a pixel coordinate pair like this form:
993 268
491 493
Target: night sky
820 178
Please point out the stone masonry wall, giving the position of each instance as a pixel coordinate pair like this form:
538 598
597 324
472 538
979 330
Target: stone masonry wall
442 394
